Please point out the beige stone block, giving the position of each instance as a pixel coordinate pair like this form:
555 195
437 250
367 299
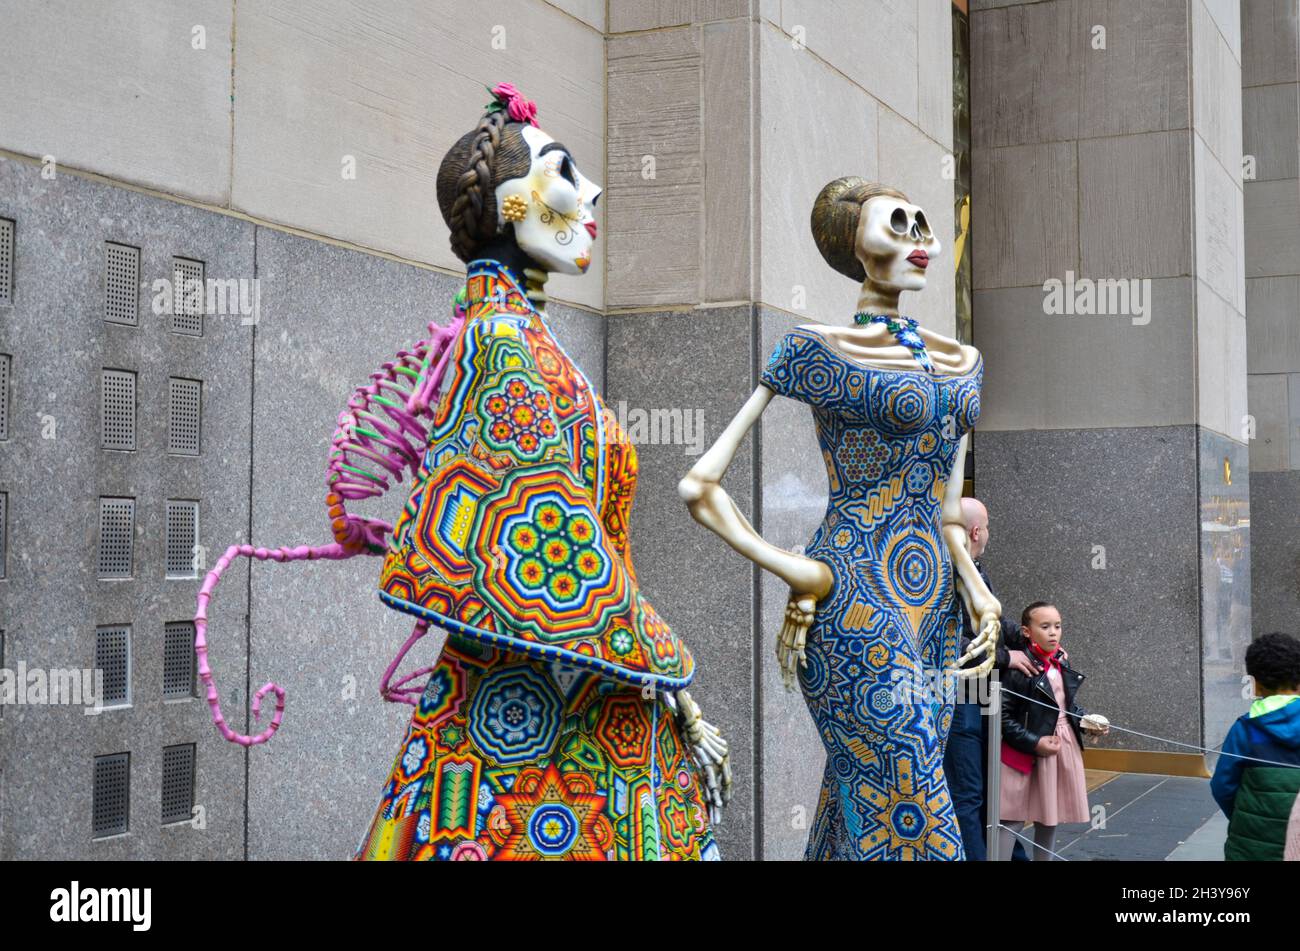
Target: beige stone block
815 126
1270 129
1226 15
1216 89
873 42
729 187
1273 312
1220 249
1269 31
317 82
121 90
1272 240
1050 371
626 16
1135 217
934 69
913 163
1026 72
1293 422
1024 214
654 209
590 12
1138 83
1270 449
1221 364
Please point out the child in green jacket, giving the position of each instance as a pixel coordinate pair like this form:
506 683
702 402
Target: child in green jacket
1257 796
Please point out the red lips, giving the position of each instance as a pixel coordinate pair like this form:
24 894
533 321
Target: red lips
919 258
591 229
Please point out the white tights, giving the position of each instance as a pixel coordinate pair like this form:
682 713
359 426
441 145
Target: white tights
1044 838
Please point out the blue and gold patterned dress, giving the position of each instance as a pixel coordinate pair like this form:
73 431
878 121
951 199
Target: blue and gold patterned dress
893 616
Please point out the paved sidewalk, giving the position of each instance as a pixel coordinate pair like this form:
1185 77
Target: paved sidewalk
1147 817
1205 844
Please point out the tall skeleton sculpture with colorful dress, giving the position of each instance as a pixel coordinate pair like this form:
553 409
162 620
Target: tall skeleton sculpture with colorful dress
554 724
873 606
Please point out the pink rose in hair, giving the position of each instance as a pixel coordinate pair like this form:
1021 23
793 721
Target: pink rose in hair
517 107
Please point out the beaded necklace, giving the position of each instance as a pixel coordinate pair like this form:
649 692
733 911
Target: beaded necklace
904 331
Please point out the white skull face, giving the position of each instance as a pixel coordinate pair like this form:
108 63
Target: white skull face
895 243
558 228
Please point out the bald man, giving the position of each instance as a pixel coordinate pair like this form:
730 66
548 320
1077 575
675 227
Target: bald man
967 752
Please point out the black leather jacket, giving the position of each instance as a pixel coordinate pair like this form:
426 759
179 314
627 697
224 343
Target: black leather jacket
1024 723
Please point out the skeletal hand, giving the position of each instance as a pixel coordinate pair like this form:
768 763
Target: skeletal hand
985 644
356 533
709 750
799 610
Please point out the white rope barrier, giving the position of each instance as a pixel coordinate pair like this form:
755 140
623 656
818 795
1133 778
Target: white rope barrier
993 803
1161 739
1018 835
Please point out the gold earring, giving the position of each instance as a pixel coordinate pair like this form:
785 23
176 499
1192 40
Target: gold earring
514 208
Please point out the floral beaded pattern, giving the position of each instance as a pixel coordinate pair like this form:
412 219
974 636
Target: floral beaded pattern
508 758
889 439
516 530
518 418
897 403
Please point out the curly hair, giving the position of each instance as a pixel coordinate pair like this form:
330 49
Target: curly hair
1274 661
835 217
468 177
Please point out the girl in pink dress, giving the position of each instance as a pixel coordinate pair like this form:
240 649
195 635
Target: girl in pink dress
1042 739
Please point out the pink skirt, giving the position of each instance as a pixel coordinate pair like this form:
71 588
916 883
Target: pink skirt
1055 791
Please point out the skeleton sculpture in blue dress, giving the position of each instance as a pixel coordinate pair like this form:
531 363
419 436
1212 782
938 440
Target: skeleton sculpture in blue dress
873 618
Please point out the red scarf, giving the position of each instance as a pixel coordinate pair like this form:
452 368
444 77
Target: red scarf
1047 660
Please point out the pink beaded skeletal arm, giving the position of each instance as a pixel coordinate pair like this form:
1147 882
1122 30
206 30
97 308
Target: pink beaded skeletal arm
381 433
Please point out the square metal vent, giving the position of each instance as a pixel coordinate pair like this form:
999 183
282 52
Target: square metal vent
113 657
6 262
111 810
178 783
116 537
182 536
183 415
178 659
6 365
121 284
117 410
188 297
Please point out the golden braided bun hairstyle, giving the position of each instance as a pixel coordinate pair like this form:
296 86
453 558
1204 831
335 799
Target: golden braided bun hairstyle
835 217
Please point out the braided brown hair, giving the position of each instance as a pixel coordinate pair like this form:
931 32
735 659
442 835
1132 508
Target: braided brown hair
468 177
835 218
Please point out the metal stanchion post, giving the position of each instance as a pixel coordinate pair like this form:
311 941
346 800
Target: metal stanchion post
993 771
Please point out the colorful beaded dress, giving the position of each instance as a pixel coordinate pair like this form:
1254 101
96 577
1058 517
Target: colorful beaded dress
888 438
534 737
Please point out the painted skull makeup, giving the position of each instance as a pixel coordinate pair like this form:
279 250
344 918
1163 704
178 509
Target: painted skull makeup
558 227
895 243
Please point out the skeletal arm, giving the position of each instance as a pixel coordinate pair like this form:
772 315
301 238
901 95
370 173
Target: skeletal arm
808 578
981 606
380 435
714 509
